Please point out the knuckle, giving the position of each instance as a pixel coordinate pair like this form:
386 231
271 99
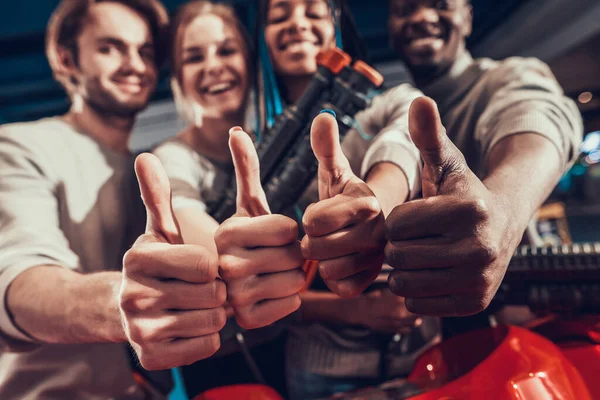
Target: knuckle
220 293
246 321
348 289
306 248
152 363
152 334
309 224
486 252
132 259
218 318
238 298
395 257
135 334
289 229
212 343
299 279
233 268
369 207
206 266
479 209
396 283
225 233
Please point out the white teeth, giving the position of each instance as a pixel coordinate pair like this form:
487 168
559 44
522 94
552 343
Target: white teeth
219 87
426 41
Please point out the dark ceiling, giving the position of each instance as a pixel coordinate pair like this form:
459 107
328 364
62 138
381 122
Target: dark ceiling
27 90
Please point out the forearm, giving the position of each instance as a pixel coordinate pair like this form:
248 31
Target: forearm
57 305
389 184
197 227
325 307
522 171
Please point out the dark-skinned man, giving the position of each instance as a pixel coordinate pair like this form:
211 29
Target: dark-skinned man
494 141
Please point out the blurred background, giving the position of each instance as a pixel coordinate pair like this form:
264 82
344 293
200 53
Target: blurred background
563 33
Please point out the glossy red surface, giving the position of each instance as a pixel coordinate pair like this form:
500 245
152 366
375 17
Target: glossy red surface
239 392
502 363
579 341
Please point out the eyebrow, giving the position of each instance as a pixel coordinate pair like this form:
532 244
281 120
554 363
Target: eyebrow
120 43
195 48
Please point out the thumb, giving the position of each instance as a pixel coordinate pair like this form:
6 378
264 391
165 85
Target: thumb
325 143
440 155
251 200
156 194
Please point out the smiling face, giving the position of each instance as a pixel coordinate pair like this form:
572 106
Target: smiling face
214 70
295 32
115 69
429 34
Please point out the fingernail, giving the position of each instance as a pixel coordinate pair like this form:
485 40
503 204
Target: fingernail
328 111
236 128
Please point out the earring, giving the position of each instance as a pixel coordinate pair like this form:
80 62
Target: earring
77 103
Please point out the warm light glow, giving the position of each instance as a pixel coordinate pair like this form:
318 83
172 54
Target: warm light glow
429 367
585 97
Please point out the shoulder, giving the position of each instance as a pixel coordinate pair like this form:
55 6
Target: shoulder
37 140
517 71
391 103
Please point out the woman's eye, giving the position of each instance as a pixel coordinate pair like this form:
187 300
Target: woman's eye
228 51
193 58
276 16
318 11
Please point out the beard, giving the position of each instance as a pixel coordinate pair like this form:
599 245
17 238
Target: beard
106 104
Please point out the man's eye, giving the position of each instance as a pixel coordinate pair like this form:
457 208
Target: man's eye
106 49
147 55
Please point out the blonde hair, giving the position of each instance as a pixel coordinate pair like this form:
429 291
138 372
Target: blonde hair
187 13
67 21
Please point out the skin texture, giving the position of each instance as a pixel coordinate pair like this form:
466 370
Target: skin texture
171 301
114 75
345 229
295 32
115 69
259 256
451 249
211 53
429 34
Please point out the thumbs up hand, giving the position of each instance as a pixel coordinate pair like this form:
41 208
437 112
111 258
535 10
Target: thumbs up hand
259 254
170 300
345 229
450 249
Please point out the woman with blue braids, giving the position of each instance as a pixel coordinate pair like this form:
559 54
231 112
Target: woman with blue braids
343 343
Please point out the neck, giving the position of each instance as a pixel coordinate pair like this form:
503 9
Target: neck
295 87
425 75
111 131
212 138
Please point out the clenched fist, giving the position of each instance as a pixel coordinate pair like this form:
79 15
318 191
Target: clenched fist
171 301
450 250
345 229
259 254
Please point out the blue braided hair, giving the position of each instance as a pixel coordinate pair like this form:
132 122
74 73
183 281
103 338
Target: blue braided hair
273 102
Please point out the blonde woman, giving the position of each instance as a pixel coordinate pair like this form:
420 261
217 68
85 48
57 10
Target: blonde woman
211 67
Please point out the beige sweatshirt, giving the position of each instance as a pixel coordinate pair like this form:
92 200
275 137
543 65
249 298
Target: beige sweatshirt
65 200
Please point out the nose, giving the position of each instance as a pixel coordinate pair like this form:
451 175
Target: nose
214 64
424 15
298 21
135 61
